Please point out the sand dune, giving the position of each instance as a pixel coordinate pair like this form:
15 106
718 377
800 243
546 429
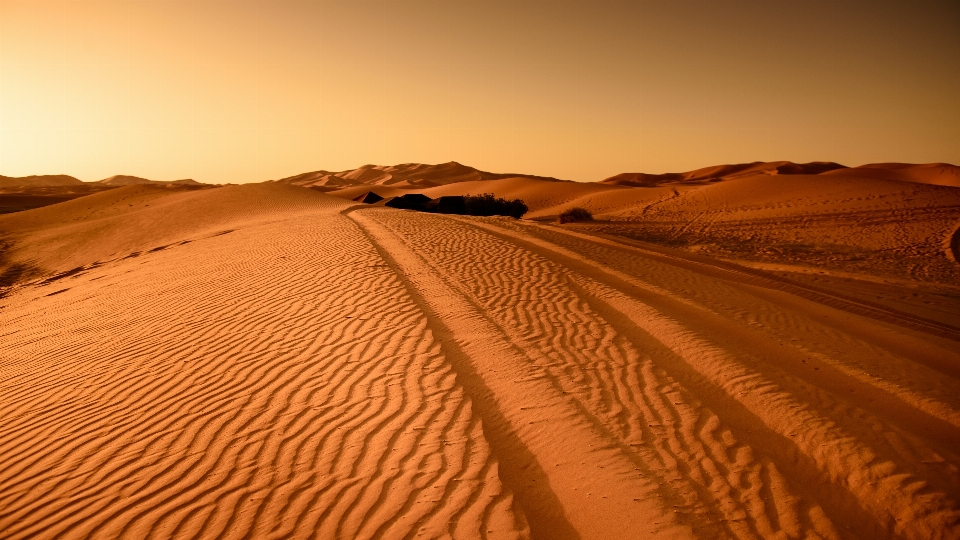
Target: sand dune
38 181
407 175
127 180
942 174
65 180
272 361
29 192
131 220
721 172
892 220
899 230
939 174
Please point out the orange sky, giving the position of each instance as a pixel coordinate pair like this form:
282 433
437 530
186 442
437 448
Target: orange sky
243 91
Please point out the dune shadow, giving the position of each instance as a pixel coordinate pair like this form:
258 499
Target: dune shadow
13 272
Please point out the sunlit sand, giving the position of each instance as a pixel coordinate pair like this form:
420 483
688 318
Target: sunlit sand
737 355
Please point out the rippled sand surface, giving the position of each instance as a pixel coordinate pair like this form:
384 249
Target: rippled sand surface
267 361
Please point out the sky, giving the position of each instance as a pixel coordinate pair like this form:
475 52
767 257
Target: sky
251 90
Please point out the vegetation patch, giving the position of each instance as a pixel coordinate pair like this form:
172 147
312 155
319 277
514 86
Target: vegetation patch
488 205
464 205
576 214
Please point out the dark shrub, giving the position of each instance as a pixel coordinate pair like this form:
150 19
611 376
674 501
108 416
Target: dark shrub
454 204
576 214
410 201
488 205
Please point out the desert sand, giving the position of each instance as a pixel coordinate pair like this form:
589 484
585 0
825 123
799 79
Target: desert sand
757 351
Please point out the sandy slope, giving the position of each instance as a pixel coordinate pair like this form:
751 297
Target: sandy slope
264 373
938 174
897 222
270 361
132 219
841 223
29 192
718 173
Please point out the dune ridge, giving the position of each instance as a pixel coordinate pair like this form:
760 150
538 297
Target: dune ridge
721 172
407 175
939 174
43 180
127 180
51 180
31 192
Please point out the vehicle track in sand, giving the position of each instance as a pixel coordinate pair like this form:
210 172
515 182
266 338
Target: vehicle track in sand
757 414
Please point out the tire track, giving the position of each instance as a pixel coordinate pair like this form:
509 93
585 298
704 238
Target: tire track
868 356
580 479
538 311
927 461
827 458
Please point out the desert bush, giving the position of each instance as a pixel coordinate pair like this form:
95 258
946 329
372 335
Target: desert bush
576 214
488 205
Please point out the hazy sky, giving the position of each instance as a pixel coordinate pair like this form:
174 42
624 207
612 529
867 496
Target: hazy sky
242 91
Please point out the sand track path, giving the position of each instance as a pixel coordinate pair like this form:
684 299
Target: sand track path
590 484
758 413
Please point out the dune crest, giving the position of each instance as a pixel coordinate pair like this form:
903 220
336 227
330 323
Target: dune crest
938 174
38 181
30 192
126 180
721 172
407 175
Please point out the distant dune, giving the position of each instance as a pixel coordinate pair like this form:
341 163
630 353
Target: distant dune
408 175
29 192
942 174
124 180
939 174
38 181
721 172
64 180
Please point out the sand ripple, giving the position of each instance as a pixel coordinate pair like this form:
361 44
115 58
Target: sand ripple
273 382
